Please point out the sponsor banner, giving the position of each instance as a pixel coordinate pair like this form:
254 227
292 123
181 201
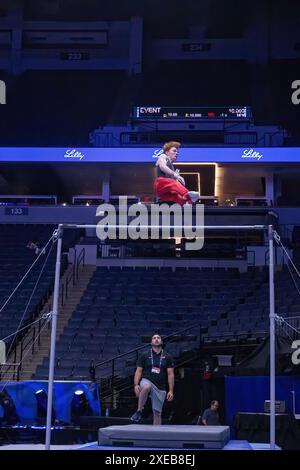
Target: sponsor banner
254 156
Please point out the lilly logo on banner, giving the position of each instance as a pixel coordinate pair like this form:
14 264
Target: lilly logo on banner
73 153
250 153
157 153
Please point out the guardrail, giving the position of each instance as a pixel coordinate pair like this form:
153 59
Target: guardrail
73 276
30 338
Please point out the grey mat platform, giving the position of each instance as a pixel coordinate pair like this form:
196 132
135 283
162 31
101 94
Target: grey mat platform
175 436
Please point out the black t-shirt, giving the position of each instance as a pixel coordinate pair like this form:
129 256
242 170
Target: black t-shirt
211 417
156 372
160 173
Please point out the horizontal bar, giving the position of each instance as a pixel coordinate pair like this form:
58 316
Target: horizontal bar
207 227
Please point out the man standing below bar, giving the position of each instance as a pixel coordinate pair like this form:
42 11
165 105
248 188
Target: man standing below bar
155 369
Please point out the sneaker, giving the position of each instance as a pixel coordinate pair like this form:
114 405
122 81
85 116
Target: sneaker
136 417
194 195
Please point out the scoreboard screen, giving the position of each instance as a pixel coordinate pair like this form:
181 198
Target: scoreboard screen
191 113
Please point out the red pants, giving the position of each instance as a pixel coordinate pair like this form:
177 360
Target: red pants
170 190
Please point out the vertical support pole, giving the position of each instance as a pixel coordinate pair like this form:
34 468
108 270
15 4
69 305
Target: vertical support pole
112 384
272 337
59 235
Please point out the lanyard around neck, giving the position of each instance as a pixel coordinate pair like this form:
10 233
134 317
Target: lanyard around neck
160 358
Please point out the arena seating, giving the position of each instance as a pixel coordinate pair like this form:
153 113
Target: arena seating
203 78
16 259
50 90
122 307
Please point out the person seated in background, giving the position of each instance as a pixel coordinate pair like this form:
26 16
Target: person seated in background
35 246
210 416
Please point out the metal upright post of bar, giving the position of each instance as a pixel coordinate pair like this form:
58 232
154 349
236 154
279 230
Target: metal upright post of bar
58 234
272 337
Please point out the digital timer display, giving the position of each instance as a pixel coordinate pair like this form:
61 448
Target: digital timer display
191 113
